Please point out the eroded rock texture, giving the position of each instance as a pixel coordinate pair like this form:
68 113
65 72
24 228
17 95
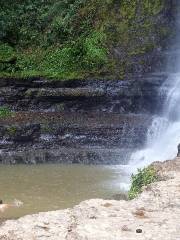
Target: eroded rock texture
90 121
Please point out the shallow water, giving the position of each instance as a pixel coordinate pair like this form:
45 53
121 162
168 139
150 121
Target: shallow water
51 187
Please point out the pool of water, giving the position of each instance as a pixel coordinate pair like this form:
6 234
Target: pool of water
52 187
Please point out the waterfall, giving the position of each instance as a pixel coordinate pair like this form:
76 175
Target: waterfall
163 135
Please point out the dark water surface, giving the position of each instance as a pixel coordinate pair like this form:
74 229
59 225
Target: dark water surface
51 187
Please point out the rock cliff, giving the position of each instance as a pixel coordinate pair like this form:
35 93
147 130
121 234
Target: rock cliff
118 48
90 121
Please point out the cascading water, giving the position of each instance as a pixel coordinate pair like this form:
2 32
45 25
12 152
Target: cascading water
164 134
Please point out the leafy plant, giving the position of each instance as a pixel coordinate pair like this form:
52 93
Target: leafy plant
7 57
86 54
65 38
95 50
142 178
6 53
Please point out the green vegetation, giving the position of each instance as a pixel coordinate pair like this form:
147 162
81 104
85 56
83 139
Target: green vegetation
142 178
5 112
75 38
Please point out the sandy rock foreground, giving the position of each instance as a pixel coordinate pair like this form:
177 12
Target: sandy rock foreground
154 215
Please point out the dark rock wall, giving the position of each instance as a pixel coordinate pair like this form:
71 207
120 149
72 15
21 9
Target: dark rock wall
136 95
92 121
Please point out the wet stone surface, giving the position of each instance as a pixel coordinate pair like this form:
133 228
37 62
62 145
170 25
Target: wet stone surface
76 121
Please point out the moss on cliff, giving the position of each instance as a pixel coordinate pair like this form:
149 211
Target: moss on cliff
79 38
5 112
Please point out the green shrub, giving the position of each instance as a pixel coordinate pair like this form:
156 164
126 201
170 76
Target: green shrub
7 58
5 112
95 52
29 60
60 59
71 60
65 38
6 53
142 178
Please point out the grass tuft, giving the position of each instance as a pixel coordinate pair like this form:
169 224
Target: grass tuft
143 178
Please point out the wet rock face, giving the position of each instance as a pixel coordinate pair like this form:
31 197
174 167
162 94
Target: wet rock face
91 122
71 138
178 154
137 95
21 134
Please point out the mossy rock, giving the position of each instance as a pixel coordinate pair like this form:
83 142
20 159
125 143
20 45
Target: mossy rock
12 130
5 112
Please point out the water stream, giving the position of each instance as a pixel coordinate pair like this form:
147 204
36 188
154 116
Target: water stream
163 135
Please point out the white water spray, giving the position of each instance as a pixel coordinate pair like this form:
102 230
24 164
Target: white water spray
163 136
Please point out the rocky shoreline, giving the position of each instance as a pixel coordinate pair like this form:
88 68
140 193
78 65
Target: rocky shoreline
154 215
